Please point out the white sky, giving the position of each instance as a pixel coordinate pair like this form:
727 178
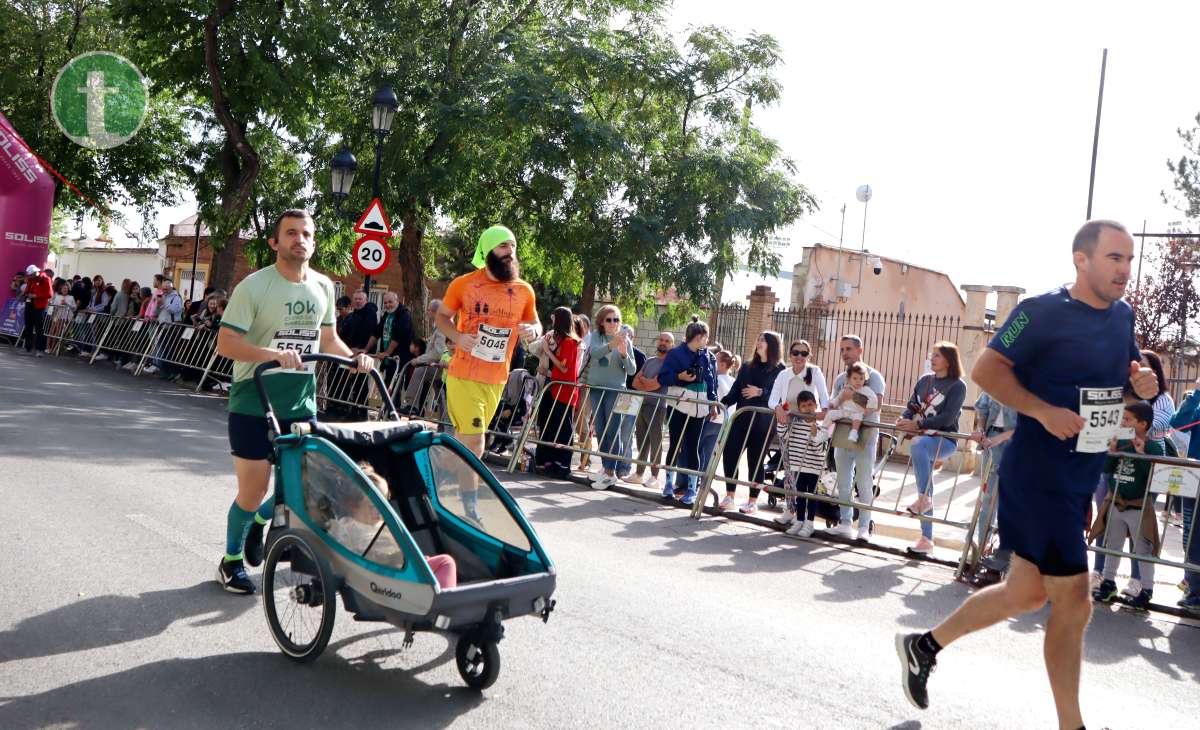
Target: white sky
972 125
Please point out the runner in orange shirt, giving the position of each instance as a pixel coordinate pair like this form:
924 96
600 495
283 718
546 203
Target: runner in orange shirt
483 313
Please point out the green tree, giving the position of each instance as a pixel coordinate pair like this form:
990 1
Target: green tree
634 166
40 36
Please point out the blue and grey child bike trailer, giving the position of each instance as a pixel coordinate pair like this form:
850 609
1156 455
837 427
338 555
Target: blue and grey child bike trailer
336 533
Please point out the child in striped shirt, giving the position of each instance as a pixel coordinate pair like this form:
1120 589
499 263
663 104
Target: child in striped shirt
804 455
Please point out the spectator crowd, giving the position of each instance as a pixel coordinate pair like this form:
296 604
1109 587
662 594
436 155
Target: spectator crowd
653 418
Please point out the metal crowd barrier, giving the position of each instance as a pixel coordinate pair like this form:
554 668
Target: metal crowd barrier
1171 476
627 404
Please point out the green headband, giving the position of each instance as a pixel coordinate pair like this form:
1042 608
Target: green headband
488 240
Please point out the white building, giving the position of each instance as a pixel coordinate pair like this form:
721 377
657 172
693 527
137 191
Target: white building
114 261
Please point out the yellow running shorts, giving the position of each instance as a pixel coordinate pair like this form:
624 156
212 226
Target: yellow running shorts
471 404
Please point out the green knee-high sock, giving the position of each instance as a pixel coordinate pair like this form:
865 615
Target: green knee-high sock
265 510
236 527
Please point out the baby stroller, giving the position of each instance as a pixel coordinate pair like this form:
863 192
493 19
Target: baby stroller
827 485
335 534
514 406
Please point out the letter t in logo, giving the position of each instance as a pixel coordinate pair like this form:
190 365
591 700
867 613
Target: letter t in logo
95 91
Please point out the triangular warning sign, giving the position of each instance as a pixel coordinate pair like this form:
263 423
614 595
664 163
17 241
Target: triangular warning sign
374 221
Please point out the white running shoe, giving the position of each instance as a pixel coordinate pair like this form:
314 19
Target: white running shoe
726 503
843 529
604 482
802 528
749 508
130 366
864 528
1133 588
150 369
650 481
101 356
786 517
39 353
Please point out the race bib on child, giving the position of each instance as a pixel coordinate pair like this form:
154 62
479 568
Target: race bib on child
304 342
1101 410
491 344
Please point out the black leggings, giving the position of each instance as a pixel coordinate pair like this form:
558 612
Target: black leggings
806 509
758 428
556 423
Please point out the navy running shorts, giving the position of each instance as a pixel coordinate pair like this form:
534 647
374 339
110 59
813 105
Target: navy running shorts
249 435
1045 527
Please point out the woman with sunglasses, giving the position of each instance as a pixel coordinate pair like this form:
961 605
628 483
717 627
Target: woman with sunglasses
800 375
610 362
751 434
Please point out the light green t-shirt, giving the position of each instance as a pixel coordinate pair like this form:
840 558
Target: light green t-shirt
270 311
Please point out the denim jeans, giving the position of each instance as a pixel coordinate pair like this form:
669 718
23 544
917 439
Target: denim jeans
926 450
856 466
708 444
1193 550
988 498
613 431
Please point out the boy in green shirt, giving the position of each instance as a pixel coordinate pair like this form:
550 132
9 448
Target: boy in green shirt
1126 512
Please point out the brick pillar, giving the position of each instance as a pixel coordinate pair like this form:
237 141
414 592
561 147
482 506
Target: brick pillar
971 341
759 316
1006 302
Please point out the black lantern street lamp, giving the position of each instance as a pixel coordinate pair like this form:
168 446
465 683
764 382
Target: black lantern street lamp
384 105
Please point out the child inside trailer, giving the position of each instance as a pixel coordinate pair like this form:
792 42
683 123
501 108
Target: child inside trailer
349 517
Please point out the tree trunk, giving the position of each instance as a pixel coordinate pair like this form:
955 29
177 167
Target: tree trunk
412 267
239 160
587 296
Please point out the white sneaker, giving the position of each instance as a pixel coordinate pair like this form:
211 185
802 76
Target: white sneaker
802 528
787 517
1133 588
650 481
631 478
130 366
843 529
604 483
101 356
749 508
150 369
864 528
853 437
726 503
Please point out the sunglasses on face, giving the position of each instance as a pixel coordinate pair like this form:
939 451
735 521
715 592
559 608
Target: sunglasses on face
613 320
799 353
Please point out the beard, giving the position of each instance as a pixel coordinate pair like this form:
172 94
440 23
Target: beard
662 349
503 269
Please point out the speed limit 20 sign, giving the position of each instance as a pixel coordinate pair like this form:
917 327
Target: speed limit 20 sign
371 256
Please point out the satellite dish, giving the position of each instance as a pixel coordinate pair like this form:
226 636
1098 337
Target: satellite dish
863 193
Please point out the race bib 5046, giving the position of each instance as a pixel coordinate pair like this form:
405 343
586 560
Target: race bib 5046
491 344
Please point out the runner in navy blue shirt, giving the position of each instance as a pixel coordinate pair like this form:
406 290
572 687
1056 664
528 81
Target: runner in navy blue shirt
1061 360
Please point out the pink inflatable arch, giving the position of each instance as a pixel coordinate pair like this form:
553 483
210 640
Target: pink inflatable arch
26 202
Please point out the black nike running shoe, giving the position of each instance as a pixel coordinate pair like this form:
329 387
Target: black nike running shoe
915 668
231 574
254 545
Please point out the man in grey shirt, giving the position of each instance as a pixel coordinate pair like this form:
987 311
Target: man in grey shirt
856 466
649 424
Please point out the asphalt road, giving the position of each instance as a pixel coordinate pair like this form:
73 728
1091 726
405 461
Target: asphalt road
114 495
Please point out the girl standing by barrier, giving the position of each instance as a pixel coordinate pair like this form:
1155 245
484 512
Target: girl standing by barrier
689 374
556 414
750 435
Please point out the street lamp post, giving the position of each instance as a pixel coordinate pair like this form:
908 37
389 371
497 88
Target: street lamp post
383 109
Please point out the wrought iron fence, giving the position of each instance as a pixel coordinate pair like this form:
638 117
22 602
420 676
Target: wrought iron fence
894 343
731 327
